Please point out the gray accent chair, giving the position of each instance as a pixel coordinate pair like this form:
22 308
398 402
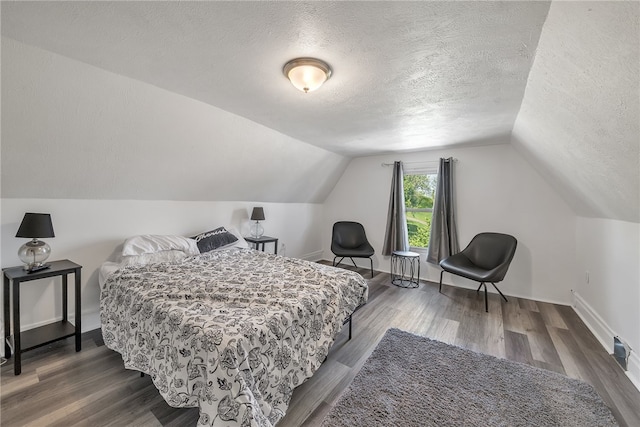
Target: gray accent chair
349 240
485 259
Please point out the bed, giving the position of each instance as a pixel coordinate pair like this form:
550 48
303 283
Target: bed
229 331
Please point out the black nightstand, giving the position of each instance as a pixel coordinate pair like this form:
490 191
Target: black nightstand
34 338
257 241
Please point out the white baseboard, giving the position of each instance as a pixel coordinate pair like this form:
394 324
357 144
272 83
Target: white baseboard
506 290
604 334
594 322
313 256
634 369
30 326
90 321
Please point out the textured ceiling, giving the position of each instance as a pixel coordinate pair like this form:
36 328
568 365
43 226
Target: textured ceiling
406 75
580 117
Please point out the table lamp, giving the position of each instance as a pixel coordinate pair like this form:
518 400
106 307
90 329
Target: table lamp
35 252
257 215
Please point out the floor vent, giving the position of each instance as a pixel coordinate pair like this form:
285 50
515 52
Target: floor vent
621 352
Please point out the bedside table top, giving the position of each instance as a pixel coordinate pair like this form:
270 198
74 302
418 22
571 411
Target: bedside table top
56 268
261 239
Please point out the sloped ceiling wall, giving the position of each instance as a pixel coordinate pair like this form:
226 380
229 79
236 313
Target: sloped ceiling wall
407 75
579 119
71 130
102 135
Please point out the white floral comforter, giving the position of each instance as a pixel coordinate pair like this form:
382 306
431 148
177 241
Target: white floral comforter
231 332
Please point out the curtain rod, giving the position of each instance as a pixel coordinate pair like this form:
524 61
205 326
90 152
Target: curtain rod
414 163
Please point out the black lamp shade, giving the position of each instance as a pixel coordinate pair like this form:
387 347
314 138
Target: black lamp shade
36 225
257 214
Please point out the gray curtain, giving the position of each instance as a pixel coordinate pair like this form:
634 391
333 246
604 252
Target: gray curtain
444 232
396 237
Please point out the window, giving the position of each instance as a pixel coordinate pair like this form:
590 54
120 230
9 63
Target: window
419 193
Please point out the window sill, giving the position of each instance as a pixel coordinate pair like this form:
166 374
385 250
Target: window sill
419 250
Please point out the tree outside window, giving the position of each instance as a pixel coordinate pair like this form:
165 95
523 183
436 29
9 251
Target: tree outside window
419 193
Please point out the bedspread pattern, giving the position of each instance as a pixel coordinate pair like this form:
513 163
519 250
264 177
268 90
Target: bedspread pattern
231 332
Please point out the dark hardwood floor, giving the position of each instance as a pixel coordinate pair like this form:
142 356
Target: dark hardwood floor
59 387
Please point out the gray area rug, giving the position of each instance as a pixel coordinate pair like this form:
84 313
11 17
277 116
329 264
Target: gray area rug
413 381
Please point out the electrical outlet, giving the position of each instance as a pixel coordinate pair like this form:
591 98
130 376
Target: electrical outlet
621 352
283 250
586 277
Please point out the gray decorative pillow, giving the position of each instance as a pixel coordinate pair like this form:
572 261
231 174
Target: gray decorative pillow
214 239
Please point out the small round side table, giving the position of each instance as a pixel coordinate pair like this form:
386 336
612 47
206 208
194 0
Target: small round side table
405 269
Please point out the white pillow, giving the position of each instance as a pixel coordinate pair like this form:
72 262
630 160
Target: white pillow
154 258
149 244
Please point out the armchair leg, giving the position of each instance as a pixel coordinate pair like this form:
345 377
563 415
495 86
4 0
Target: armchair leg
353 262
335 264
505 298
479 288
486 299
440 288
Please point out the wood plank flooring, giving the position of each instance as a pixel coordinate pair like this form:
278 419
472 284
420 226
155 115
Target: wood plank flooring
59 387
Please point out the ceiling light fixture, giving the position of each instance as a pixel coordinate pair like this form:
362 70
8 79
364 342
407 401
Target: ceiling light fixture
307 74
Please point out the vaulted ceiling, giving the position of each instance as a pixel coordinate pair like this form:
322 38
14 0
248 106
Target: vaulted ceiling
557 79
579 123
406 75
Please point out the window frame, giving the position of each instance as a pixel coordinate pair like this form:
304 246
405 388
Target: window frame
421 171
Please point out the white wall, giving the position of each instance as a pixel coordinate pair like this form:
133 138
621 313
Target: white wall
109 157
498 191
609 302
578 126
89 232
578 122
86 133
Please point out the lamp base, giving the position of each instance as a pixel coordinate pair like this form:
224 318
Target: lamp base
257 230
33 254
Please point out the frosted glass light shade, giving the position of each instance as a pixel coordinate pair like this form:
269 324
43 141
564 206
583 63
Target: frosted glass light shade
307 74
34 253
